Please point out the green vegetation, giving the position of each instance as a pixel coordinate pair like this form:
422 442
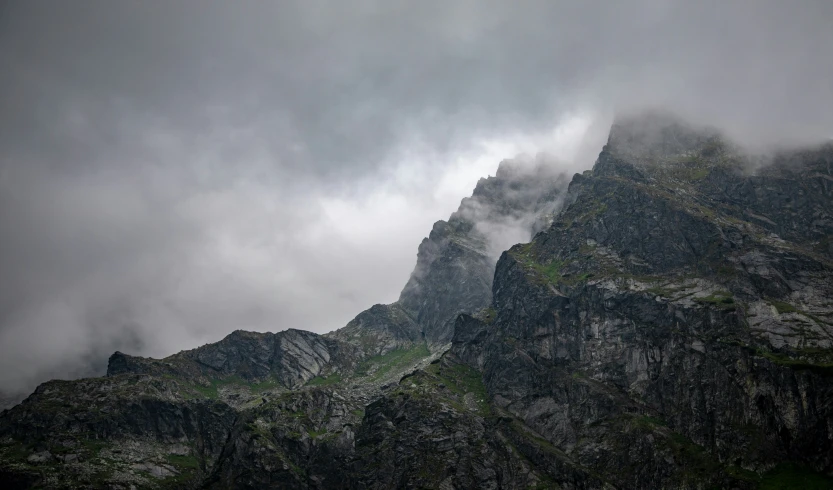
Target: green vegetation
823 369
261 386
665 292
815 318
783 307
690 169
583 277
377 367
697 463
209 391
297 415
742 474
588 211
544 273
188 467
698 173
183 462
488 315
212 390
551 271
597 208
301 472
93 445
17 451
315 433
462 380
545 484
819 363
721 299
787 476
522 430
542 443
259 431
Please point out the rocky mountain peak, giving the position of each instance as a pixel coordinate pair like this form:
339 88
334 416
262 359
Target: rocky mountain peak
455 263
670 326
656 136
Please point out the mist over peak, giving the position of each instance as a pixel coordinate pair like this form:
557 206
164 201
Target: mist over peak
170 173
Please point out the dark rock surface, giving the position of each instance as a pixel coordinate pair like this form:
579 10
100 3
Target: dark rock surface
291 357
673 327
381 329
455 263
670 327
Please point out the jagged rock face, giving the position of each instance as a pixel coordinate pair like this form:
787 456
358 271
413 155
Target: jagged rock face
453 275
297 440
672 328
293 357
672 317
380 330
437 431
455 264
116 432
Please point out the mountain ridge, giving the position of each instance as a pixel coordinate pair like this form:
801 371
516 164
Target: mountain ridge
668 327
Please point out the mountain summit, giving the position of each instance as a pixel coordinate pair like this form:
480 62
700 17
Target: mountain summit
669 325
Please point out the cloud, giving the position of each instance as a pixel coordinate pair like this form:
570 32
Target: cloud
169 173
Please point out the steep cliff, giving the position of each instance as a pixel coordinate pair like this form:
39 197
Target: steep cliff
673 328
455 264
670 327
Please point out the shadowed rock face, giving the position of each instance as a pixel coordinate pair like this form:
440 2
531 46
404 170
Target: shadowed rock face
670 327
672 308
292 357
380 330
455 263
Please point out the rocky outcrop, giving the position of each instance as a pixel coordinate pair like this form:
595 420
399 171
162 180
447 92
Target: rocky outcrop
455 263
437 430
292 357
432 296
121 431
380 330
659 333
671 327
297 440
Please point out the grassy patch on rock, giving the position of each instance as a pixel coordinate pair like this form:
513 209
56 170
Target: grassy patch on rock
782 307
541 272
332 379
212 388
720 299
378 367
823 369
788 476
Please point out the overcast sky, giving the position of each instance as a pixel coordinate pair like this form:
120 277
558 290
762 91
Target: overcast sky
172 171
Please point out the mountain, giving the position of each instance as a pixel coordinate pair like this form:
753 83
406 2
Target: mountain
199 417
673 328
670 325
455 264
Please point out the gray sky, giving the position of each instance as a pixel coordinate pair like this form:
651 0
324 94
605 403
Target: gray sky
172 171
